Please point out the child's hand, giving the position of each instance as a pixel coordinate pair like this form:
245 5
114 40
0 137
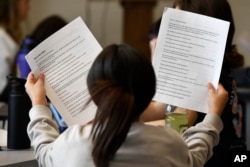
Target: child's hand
217 99
35 89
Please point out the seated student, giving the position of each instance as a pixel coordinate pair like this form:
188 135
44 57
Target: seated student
231 138
116 83
12 14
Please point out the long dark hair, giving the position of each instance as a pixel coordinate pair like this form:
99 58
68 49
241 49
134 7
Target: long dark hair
121 83
218 9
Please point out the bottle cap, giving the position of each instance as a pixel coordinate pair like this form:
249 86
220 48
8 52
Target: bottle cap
16 84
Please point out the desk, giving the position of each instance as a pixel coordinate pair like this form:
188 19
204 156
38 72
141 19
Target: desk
8 156
244 94
16 156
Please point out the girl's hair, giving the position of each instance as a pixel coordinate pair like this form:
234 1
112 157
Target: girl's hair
219 9
9 19
121 83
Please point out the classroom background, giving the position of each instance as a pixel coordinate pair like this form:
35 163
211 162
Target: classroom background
105 18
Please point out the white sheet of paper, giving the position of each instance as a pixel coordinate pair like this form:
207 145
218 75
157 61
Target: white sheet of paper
188 54
65 59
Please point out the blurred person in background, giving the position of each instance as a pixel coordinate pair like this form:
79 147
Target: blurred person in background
12 14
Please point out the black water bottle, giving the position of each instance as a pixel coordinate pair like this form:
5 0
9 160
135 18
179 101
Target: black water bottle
18 114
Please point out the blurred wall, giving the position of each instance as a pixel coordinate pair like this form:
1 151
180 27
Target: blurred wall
104 18
241 12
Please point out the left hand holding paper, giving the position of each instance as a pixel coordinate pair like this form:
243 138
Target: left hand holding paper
35 89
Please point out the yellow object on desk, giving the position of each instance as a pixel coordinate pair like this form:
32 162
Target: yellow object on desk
177 121
174 120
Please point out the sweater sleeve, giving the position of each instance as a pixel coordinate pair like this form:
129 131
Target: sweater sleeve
42 131
202 138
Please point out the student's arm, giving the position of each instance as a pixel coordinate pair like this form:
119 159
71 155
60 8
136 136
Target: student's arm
192 117
155 111
202 137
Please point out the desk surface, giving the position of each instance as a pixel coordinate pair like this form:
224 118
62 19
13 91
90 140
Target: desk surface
16 156
8 156
31 163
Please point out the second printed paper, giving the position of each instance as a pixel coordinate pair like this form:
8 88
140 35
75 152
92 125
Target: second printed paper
189 54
